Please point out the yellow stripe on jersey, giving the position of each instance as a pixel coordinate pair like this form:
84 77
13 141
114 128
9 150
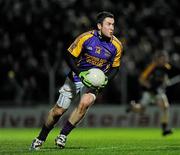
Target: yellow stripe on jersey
76 47
119 48
145 74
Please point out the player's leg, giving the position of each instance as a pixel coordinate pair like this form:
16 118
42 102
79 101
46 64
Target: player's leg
140 107
163 103
52 118
65 98
86 100
135 107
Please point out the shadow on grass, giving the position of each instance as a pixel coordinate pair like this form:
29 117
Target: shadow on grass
154 149
70 148
43 149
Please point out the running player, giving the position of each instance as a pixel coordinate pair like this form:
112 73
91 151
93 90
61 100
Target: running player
153 79
98 48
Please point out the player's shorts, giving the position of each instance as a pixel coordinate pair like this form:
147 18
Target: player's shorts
150 98
71 90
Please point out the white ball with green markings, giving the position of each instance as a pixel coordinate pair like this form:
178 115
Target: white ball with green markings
96 77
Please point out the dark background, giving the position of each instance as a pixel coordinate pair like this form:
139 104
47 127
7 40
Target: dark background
34 34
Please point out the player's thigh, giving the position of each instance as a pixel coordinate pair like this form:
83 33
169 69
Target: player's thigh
162 100
147 98
67 94
87 95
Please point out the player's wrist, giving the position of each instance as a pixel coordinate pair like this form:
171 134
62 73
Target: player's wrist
83 74
83 77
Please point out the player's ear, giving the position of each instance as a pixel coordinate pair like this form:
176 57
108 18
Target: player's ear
99 26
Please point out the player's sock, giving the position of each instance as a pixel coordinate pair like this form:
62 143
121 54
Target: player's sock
165 129
68 127
44 132
164 126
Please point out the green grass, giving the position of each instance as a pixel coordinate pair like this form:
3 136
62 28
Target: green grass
100 141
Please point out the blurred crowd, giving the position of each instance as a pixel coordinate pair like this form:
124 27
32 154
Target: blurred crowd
36 33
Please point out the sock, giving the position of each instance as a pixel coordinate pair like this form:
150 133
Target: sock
68 127
44 133
164 126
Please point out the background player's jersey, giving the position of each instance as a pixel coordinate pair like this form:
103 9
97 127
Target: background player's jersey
93 51
155 75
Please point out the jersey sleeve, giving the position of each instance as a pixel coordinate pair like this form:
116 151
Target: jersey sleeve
119 48
77 46
147 71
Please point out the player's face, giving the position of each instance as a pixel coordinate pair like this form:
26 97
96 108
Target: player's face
107 27
163 60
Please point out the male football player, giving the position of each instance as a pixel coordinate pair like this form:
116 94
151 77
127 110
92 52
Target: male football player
98 48
153 79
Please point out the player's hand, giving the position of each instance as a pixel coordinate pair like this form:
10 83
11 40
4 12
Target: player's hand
83 77
99 89
105 82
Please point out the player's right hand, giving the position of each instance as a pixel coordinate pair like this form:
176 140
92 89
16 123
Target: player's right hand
105 82
83 77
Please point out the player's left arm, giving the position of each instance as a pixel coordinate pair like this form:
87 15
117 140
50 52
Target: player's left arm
112 73
144 76
109 76
116 61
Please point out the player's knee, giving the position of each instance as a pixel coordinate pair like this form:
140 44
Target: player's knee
57 111
87 100
139 109
164 105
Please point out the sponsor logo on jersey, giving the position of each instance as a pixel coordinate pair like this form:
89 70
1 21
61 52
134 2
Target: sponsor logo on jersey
95 60
98 49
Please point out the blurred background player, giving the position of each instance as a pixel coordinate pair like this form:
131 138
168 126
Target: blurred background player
94 49
153 80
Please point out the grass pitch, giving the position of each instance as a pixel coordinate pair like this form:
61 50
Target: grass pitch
93 141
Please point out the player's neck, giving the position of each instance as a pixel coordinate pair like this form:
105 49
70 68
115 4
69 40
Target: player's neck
103 37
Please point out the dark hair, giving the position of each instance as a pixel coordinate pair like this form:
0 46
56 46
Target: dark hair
102 15
160 54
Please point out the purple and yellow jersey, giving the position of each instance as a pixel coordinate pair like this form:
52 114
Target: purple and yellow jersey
94 52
